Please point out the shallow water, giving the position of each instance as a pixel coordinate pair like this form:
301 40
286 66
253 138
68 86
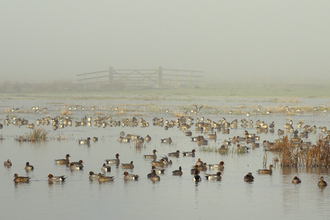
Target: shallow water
173 196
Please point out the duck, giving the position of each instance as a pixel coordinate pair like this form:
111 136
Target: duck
174 154
153 156
52 178
199 162
166 140
159 163
95 139
296 180
153 177
177 172
105 168
80 162
7 163
113 161
103 178
216 176
166 161
21 179
128 176
63 161
84 141
219 166
266 171
147 138
28 167
248 177
322 183
223 149
127 165
76 166
157 170
241 149
93 176
197 177
189 154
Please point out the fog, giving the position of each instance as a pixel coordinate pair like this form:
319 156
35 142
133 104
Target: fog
231 41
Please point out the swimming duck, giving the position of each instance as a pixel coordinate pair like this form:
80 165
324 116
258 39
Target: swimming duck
216 176
166 140
219 166
128 176
189 154
105 168
21 179
197 178
248 177
154 176
28 167
241 149
177 172
95 139
159 163
7 163
322 183
103 178
63 161
223 149
199 162
52 178
93 176
113 161
296 180
147 138
76 166
166 161
153 156
201 141
80 162
157 170
84 141
127 165
266 171
174 154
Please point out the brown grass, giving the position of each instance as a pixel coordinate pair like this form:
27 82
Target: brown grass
294 153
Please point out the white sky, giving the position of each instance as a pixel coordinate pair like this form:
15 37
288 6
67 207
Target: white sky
245 41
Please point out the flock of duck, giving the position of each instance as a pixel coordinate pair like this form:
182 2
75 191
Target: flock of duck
156 170
183 123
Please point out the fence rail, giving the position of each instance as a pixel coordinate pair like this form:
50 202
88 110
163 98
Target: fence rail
153 77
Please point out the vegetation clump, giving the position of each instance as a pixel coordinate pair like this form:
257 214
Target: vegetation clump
294 152
38 134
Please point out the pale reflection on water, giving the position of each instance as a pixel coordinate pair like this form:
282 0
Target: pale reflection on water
269 196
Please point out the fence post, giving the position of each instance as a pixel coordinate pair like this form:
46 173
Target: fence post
110 74
160 77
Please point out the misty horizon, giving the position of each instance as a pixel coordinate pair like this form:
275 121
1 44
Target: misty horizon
230 41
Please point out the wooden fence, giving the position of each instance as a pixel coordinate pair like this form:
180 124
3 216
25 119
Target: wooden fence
142 77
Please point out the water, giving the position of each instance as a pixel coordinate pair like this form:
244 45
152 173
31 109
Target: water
269 196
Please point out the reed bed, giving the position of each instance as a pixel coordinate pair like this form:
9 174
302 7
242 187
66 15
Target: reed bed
38 134
293 153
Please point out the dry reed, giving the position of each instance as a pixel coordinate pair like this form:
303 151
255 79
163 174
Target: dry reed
295 153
